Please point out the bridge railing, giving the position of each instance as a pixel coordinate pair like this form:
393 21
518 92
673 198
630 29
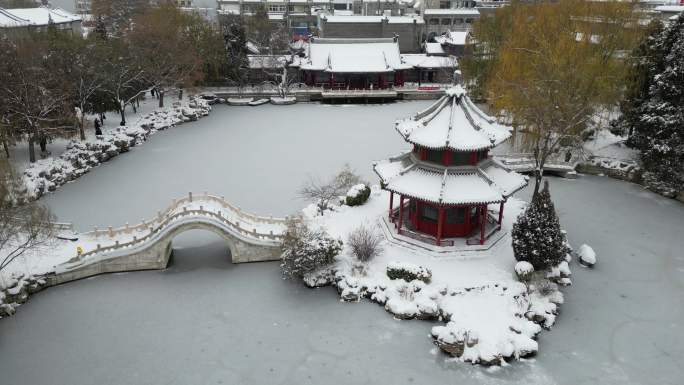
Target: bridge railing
154 230
177 204
243 223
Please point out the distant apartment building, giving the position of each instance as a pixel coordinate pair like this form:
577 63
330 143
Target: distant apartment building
18 21
298 15
443 20
83 7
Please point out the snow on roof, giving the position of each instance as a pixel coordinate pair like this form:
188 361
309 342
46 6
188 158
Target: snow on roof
443 186
506 180
20 17
670 8
267 61
453 11
488 182
453 38
338 18
453 122
434 49
421 60
354 55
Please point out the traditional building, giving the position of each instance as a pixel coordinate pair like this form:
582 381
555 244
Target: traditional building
21 21
410 29
354 64
447 183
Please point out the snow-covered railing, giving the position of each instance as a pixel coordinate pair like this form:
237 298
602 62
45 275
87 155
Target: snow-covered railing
217 209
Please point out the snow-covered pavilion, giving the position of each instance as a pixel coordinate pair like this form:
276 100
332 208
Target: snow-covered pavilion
354 63
448 181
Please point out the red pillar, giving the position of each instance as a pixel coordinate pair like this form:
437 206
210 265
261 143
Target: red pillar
483 222
313 78
391 204
332 79
501 208
440 221
401 213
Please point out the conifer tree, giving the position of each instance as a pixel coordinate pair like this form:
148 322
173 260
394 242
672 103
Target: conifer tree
537 235
659 130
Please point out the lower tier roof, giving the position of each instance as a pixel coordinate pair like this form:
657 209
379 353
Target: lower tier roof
488 182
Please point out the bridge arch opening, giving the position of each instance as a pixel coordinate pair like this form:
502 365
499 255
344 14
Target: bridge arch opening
197 248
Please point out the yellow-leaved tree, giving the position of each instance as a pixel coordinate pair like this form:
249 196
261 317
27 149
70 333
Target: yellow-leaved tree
556 66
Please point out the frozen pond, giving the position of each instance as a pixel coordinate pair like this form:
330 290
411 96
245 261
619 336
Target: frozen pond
205 321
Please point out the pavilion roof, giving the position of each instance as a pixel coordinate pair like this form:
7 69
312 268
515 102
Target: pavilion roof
489 182
453 122
354 56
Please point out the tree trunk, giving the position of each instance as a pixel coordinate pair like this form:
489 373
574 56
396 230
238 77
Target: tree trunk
82 128
6 148
537 183
32 150
122 110
161 98
43 143
538 175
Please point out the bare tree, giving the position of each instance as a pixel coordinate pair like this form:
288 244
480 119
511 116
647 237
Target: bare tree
324 193
30 97
125 77
365 243
163 48
24 225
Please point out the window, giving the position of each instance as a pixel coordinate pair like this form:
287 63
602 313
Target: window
435 156
458 21
444 4
455 215
446 21
276 8
434 21
430 213
469 21
460 158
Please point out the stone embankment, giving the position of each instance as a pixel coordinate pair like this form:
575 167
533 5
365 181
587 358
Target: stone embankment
631 172
17 291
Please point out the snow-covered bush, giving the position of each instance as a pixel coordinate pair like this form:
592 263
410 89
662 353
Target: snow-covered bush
307 250
587 256
524 270
537 235
365 243
408 272
357 195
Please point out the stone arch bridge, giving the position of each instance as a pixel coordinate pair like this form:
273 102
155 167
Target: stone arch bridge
148 245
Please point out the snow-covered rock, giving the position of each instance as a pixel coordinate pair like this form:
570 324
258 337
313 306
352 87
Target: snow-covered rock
524 270
587 256
319 278
408 272
17 291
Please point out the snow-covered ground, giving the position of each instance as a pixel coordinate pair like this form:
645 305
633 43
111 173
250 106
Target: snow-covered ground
479 296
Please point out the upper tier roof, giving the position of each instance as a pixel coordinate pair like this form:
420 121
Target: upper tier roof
453 122
354 56
488 182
